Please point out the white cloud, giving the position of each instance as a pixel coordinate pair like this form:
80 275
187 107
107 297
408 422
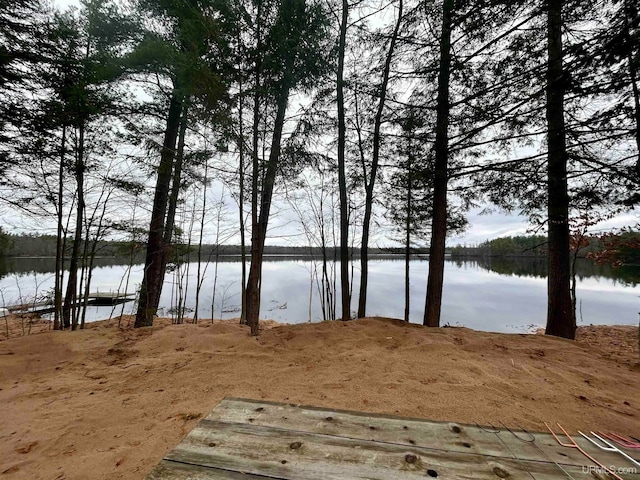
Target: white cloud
494 225
64 4
489 226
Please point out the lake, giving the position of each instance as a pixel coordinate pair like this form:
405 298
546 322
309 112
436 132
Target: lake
499 294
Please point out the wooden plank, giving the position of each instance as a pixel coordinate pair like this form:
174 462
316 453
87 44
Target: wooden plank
169 470
448 436
27 306
96 298
108 302
292 455
111 295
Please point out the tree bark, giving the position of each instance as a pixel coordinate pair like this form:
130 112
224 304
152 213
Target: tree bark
259 229
560 320
243 241
407 254
633 77
92 256
72 283
174 196
57 319
153 275
176 181
342 178
439 222
252 294
369 186
243 267
199 278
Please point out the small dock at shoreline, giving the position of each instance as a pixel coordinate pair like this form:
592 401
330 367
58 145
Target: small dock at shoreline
96 299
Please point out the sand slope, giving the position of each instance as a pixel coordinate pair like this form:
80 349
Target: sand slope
105 403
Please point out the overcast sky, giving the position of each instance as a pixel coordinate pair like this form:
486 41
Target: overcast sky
487 227
481 227
62 4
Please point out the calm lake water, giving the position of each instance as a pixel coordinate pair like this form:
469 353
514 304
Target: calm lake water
502 295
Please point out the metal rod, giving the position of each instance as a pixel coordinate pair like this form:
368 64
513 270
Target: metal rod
609 447
532 441
620 440
573 444
496 432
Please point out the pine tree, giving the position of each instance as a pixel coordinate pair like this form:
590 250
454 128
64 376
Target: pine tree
292 57
194 58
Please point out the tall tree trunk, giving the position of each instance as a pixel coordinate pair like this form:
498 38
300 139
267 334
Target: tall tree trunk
407 254
72 283
560 320
633 77
199 278
259 229
215 282
243 260
132 253
217 257
636 98
369 186
342 176
174 196
184 279
176 181
243 240
154 264
83 288
57 318
326 293
92 257
439 222
252 294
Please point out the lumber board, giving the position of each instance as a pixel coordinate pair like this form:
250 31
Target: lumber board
244 439
294 455
169 470
100 299
448 436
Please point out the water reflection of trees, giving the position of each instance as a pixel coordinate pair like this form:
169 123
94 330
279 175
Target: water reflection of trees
521 267
22 266
537 268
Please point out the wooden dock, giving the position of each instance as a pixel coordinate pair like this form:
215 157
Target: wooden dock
244 439
97 299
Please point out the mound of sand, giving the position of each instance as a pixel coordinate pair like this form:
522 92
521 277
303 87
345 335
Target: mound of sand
108 403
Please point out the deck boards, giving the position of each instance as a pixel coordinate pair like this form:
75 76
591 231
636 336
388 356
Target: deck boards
246 439
97 299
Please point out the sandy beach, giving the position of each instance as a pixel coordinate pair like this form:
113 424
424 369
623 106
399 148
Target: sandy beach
108 402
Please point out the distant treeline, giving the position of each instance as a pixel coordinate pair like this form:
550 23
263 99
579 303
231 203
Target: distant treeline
536 267
519 246
45 246
614 249
623 248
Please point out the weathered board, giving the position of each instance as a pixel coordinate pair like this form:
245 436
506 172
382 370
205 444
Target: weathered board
98 299
447 436
246 439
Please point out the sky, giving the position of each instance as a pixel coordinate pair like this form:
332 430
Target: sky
481 226
487 227
62 4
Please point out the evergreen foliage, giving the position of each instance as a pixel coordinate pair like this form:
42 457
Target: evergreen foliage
117 118
534 245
